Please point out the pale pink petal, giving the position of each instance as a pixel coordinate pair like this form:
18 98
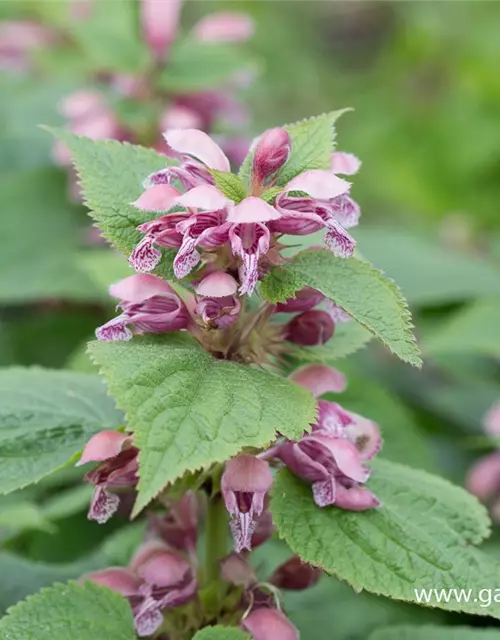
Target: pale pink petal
345 163
319 184
333 419
205 197
246 473
217 285
346 211
227 26
355 498
158 198
180 117
119 579
160 20
346 457
103 446
138 288
198 144
251 210
319 379
269 624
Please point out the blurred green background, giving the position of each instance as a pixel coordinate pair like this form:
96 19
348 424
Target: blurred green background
423 80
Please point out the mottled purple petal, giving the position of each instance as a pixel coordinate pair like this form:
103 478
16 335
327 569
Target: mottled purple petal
339 241
346 211
186 259
115 329
103 505
145 257
324 492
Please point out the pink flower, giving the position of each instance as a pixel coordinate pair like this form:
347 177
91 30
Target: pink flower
269 624
158 579
160 21
148 304
117 469
310 328
346 164
227 26
245 482
217 303
271 153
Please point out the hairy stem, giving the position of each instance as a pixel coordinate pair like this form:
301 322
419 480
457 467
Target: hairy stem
216 537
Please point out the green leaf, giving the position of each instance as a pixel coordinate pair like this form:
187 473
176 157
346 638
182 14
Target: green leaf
46 417
110 38
427 273
188 410
270 194
420 538
71 611
221 633
195 66
370 298
21 515
429 632
475 329
313 141
230 185
111 175
104 267
40 231
354 615
22 577
348 338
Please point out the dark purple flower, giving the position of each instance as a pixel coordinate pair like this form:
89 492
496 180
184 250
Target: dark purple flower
296 575
310 328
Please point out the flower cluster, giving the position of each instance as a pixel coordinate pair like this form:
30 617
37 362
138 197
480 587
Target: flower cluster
225 247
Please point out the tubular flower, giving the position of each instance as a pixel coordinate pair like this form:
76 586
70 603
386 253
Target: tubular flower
117 469
206 221
245 482
157 579
332 456
148 305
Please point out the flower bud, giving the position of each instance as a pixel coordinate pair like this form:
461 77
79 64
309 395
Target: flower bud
235 569
295 575
271 153
310 328
304 300
269 624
